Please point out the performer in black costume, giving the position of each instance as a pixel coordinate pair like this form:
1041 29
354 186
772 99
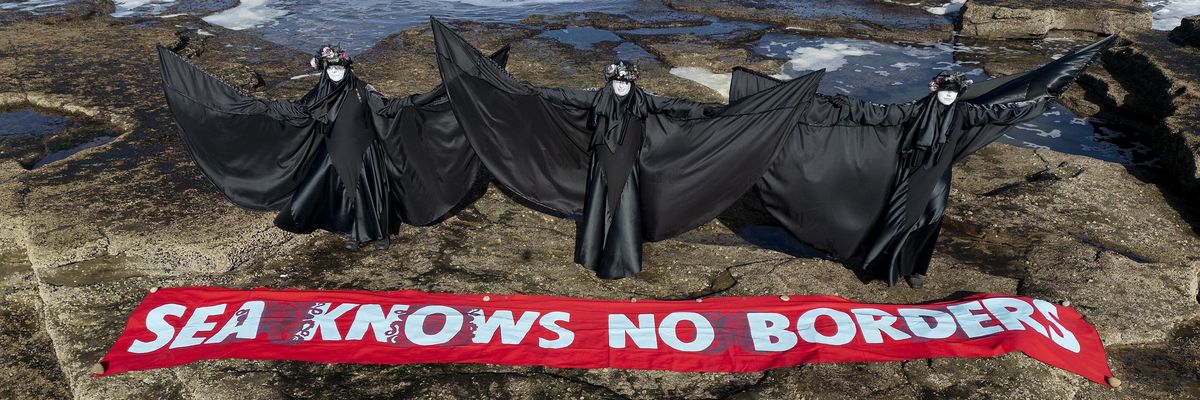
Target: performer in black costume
869 183
608 239
628 165
343 158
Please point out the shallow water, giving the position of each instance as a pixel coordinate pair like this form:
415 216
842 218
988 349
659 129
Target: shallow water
891 73
64 153
712 26
357 25
582 37
35 6
30 122
897 14
35 138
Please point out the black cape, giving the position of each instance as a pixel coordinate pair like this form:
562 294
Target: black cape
680 162
342 158
869 183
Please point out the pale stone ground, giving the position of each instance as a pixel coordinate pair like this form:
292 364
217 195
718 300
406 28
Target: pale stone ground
82 240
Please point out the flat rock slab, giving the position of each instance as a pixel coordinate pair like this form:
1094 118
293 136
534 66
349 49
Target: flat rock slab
1004 19
29 368
1128 302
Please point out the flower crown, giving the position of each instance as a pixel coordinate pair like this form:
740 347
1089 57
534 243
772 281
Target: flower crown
330 55
956 81
621 71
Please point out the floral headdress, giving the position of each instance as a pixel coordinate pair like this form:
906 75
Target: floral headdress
621 71
330 55
946 80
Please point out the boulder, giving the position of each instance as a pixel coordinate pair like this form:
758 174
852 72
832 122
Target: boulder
1188 32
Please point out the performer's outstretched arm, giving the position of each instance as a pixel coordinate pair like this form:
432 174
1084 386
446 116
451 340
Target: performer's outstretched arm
577 98
1002 114
281 110
681 108
977 118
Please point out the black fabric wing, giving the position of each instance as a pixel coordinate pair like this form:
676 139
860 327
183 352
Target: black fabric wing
536 149
831 182
254 151
693 169
432 168
1051 79
746 82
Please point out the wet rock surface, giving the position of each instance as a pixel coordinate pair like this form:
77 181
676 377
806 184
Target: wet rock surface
857 18
34 138
1188 32
83 239
1020 19
1151 83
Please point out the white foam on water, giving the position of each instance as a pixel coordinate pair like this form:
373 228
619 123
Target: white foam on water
1052 133
31 5
829 56
717 82
1169 13
248 14
904 66
1032 145
951 8
126 8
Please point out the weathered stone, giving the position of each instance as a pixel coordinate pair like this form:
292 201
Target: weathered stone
1017 19
1108 288
29 368
1150 85
1155 370
103 227
1188 32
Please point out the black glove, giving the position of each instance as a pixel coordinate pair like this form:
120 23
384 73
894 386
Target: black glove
712 109
840 101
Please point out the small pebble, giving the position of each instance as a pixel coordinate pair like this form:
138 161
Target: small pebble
1114 382
784 298
97 369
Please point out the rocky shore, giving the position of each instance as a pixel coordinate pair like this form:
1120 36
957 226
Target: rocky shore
84 238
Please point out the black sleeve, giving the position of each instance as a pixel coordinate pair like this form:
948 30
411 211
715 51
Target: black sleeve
680 108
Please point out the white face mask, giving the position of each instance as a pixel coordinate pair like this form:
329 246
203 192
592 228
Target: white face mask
336 72
621 88
947 97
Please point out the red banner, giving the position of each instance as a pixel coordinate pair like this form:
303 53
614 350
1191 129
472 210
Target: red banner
732 334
